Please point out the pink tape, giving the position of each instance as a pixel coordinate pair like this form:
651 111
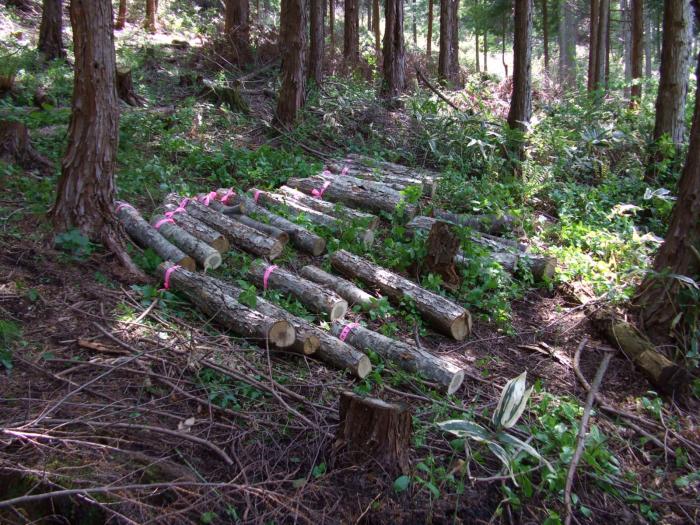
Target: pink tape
345 171
256 195
326 173
184 202
166 281
266 275
319 193
345 332
229 193
206 199
123 205
160 223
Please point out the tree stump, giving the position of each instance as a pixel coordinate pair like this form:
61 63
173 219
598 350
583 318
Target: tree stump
16 146
443 246
125 88
372 429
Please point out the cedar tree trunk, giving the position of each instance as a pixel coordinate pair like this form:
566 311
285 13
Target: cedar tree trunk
375 27
454 39
486 51
429 37
521 99
331 23
600 61
637 47
545 36
316 39
445 61
351 33
50 30
292 46
121 15
393 51
593 45
151 15
415 25
237 28
567 46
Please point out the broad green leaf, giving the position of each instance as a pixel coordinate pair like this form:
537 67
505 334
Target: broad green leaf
468 429
512 402
518 444
401 483
501 454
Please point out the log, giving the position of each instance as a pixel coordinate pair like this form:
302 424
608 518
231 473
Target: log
334 209
373 430
492 224
356 193
442 247
446 316
206 256
398 182
301 237
225 310
147 236
125 88
306 342
344 288
292 207
16 147
269 230
314 297
238 234
445 374
398 169
198 229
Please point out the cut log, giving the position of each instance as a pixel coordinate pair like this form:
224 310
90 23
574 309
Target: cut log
356 193
125 88
446 316
443 246
392 167
269 230
344 288
206 256
198 229
445 374
301 237
16 147
294 208
373 430
335 209
663 373
493 224
147 236
314 297
306 343
398 182
225 310
238 234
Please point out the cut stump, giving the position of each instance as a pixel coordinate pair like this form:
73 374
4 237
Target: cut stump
443 246
125 88
373 430
16 146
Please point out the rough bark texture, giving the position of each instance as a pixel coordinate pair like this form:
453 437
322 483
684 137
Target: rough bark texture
147 236
338 354
214 302
673 79
445 374
358 193
492 224
601 47
448 317
331 20
375 27
567 45
393 50
454 54
51 30
121 15
442 246
429 36
521 99
238 234
268 229
198 229
151 16
316 40
398 182
637 47
593 44
373 430
329 208
16 147
661 297
125 88
206 256
314 297
344 288
647 46
351 33
85 195
274 200
446 73
237 28
545 39
292 46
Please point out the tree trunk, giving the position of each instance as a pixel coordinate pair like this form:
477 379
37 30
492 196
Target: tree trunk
445 60
373 430
454 40
16 147
447 376
351 34
331 23
647 45
121 16
125 88
369 15
503 49
637 48
151 16
316 40
476 52
598 80
237 29
521 99
661 296
51 30
206 256
85 195
486 51
673 76
345 289
545 37
593 45
448 317
429 37
393 50
626 31
415 25
197 228
607 51
292 45
376 28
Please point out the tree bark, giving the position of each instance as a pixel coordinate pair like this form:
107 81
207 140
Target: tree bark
237 28
314 297
567 46
454 40
428 185
345 289
521 99
16 147
673 76
445 374
445 61
503 48
593 45
600 51
206 256
351 34
316 41
85 195
292 45
125 88
372 430
331 17
51 30
476 51
415 25
329 208
637 48
429 37
448 317
376 16
268 229
121 15
647 46
626 32
491 224
394 68
213 301
197 228
545 37
661 294
486 51
151 16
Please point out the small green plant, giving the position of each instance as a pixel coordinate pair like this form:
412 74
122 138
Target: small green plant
10 336
75 244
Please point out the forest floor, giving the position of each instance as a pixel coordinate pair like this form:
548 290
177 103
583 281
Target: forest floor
127 390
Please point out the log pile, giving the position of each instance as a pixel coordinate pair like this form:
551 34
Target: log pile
206 256
197 228
428 185
344 288
329 208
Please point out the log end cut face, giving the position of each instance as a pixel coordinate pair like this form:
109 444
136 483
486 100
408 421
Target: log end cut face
461 327
456 382
213 261
339 310
364 367
311 344
282 334
187 263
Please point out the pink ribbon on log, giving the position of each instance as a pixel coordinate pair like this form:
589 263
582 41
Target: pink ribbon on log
266 275
256 196
229 193
160 223
206 199
166 280
123 205
345 332
319 193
